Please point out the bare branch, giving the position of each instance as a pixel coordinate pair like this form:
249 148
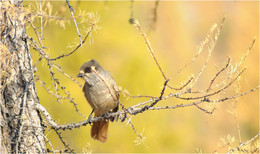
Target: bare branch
155 11
37 34
204 110
70 77
236 120
212 81
56 83
131 20
133 127
75 22
214 93
237 95
185 90
183 86
56 126
131 110
211 48
247 52
136 24
155 16
153 103
143 96
203 100
49 91
68 149
65 55
243 144
200 49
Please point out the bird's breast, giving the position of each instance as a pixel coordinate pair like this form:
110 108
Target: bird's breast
100 98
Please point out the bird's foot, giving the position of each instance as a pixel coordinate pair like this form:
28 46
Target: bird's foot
104 115
90 117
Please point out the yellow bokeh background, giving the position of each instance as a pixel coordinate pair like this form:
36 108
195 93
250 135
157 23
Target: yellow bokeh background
120 49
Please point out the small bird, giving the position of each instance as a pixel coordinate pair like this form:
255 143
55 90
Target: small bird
101 92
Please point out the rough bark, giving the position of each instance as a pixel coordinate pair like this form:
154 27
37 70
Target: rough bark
21 129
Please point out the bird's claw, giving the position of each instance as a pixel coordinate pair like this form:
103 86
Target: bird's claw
104 115
90 117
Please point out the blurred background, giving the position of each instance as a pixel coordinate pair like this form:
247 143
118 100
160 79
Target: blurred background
117 45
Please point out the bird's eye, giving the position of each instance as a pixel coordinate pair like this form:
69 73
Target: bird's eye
87 70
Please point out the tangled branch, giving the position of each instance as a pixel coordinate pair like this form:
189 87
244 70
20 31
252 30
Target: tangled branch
185 91
152 103
57 85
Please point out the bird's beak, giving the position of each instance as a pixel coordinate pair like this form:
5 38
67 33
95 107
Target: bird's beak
80 75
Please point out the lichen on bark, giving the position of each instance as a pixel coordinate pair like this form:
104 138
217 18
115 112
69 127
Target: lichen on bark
21 129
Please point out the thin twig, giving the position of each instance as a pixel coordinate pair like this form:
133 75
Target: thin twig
129 121
236 120
68 149
75 22
237 95
56 83
41 21
204 100
210 50
70 77
65 55
143 96
212 81
149 47
53 17
155 11
204 110
183 86
200 49
153 103
131 19
37 48
243 144
247 52
211 94
47 141
37 34
50 92
155 16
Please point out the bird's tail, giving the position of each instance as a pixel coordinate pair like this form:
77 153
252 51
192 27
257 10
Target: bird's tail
99 130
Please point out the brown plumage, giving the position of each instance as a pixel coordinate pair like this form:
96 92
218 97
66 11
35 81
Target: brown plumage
101 92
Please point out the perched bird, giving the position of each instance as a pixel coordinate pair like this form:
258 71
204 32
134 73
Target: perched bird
101 92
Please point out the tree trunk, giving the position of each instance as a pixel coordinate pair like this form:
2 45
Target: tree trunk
21 129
